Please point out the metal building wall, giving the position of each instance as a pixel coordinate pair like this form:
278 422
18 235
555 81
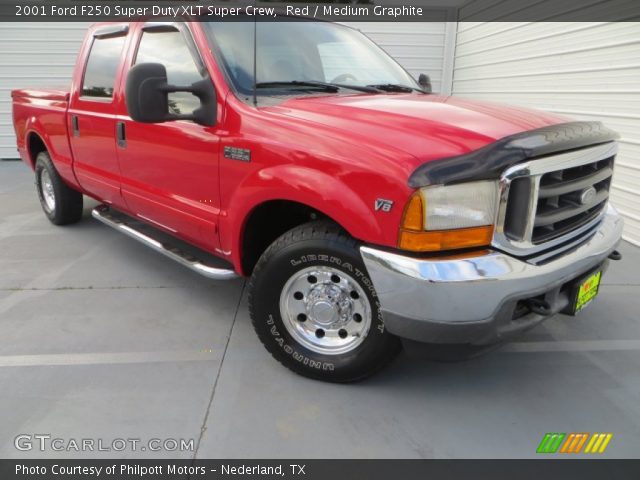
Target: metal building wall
33 55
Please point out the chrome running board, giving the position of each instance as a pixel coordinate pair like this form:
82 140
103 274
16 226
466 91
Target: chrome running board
121 223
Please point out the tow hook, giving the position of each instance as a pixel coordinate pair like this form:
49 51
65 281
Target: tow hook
615 255
539 307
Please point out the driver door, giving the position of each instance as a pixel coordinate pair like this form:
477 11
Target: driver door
170 170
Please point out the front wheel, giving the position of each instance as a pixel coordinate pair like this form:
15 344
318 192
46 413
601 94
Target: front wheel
315 309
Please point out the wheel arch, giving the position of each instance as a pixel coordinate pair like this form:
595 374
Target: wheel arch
267 221
35 144
303 193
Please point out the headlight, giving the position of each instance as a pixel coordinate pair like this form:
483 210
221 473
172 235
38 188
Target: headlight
449 217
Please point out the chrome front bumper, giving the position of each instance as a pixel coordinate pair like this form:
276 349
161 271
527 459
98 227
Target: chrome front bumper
473 299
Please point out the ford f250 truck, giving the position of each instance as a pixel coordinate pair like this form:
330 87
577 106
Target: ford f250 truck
366 212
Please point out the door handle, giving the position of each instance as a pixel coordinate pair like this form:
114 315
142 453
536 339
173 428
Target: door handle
76 125
121 135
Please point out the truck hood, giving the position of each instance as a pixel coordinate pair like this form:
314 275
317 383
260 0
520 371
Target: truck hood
427 127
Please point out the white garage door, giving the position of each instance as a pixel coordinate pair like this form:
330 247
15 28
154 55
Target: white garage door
43 54
589 71
33 55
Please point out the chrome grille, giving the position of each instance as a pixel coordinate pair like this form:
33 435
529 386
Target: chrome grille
562 203
551 200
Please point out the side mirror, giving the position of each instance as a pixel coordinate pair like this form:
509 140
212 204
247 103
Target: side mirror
425 82
147 96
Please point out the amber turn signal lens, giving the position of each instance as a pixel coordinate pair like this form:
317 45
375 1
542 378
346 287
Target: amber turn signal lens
413 217
431 241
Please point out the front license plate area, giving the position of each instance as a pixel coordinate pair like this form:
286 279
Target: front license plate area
584 290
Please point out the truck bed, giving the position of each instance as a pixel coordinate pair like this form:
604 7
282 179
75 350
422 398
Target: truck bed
51 93
43 110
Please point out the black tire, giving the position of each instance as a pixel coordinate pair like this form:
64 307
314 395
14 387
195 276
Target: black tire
325 246
67 207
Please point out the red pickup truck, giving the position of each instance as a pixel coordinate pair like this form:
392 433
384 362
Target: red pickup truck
367 212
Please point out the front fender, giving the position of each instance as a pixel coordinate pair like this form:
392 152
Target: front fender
331 196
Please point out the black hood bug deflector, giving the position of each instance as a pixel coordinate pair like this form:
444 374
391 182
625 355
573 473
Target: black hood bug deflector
489 161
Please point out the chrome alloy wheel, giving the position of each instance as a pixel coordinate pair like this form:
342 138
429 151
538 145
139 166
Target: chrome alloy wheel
46 188
325 310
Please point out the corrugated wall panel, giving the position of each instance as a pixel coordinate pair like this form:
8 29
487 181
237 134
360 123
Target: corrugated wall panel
33 55
587 71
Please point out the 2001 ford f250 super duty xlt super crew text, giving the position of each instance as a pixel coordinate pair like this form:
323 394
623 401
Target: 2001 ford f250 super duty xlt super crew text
366 212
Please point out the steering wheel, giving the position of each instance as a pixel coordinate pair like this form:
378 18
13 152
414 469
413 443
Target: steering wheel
345 77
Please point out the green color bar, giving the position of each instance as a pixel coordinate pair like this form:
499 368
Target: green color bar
550 443
543 444
557 443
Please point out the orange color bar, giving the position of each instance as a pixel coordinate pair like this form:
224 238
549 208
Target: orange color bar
583 439
567 442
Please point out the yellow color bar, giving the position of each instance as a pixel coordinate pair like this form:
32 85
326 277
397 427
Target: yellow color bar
606 441
598 443
591 442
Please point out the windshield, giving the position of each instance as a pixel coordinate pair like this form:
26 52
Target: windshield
301 52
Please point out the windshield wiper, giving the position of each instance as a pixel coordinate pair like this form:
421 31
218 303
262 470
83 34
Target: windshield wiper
357 88
394 87
298 83
325 86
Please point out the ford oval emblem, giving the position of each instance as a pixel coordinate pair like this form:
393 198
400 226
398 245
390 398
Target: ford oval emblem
588 195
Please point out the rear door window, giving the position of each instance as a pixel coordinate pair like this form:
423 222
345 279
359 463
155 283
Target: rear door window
102 67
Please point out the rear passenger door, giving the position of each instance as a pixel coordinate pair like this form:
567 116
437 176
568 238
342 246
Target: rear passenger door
170 170
91 118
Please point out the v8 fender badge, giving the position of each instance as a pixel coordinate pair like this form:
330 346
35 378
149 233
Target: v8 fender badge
383 204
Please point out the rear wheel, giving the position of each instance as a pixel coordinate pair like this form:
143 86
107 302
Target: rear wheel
61 204
315 309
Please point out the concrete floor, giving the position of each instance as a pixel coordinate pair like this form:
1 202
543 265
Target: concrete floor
102 338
